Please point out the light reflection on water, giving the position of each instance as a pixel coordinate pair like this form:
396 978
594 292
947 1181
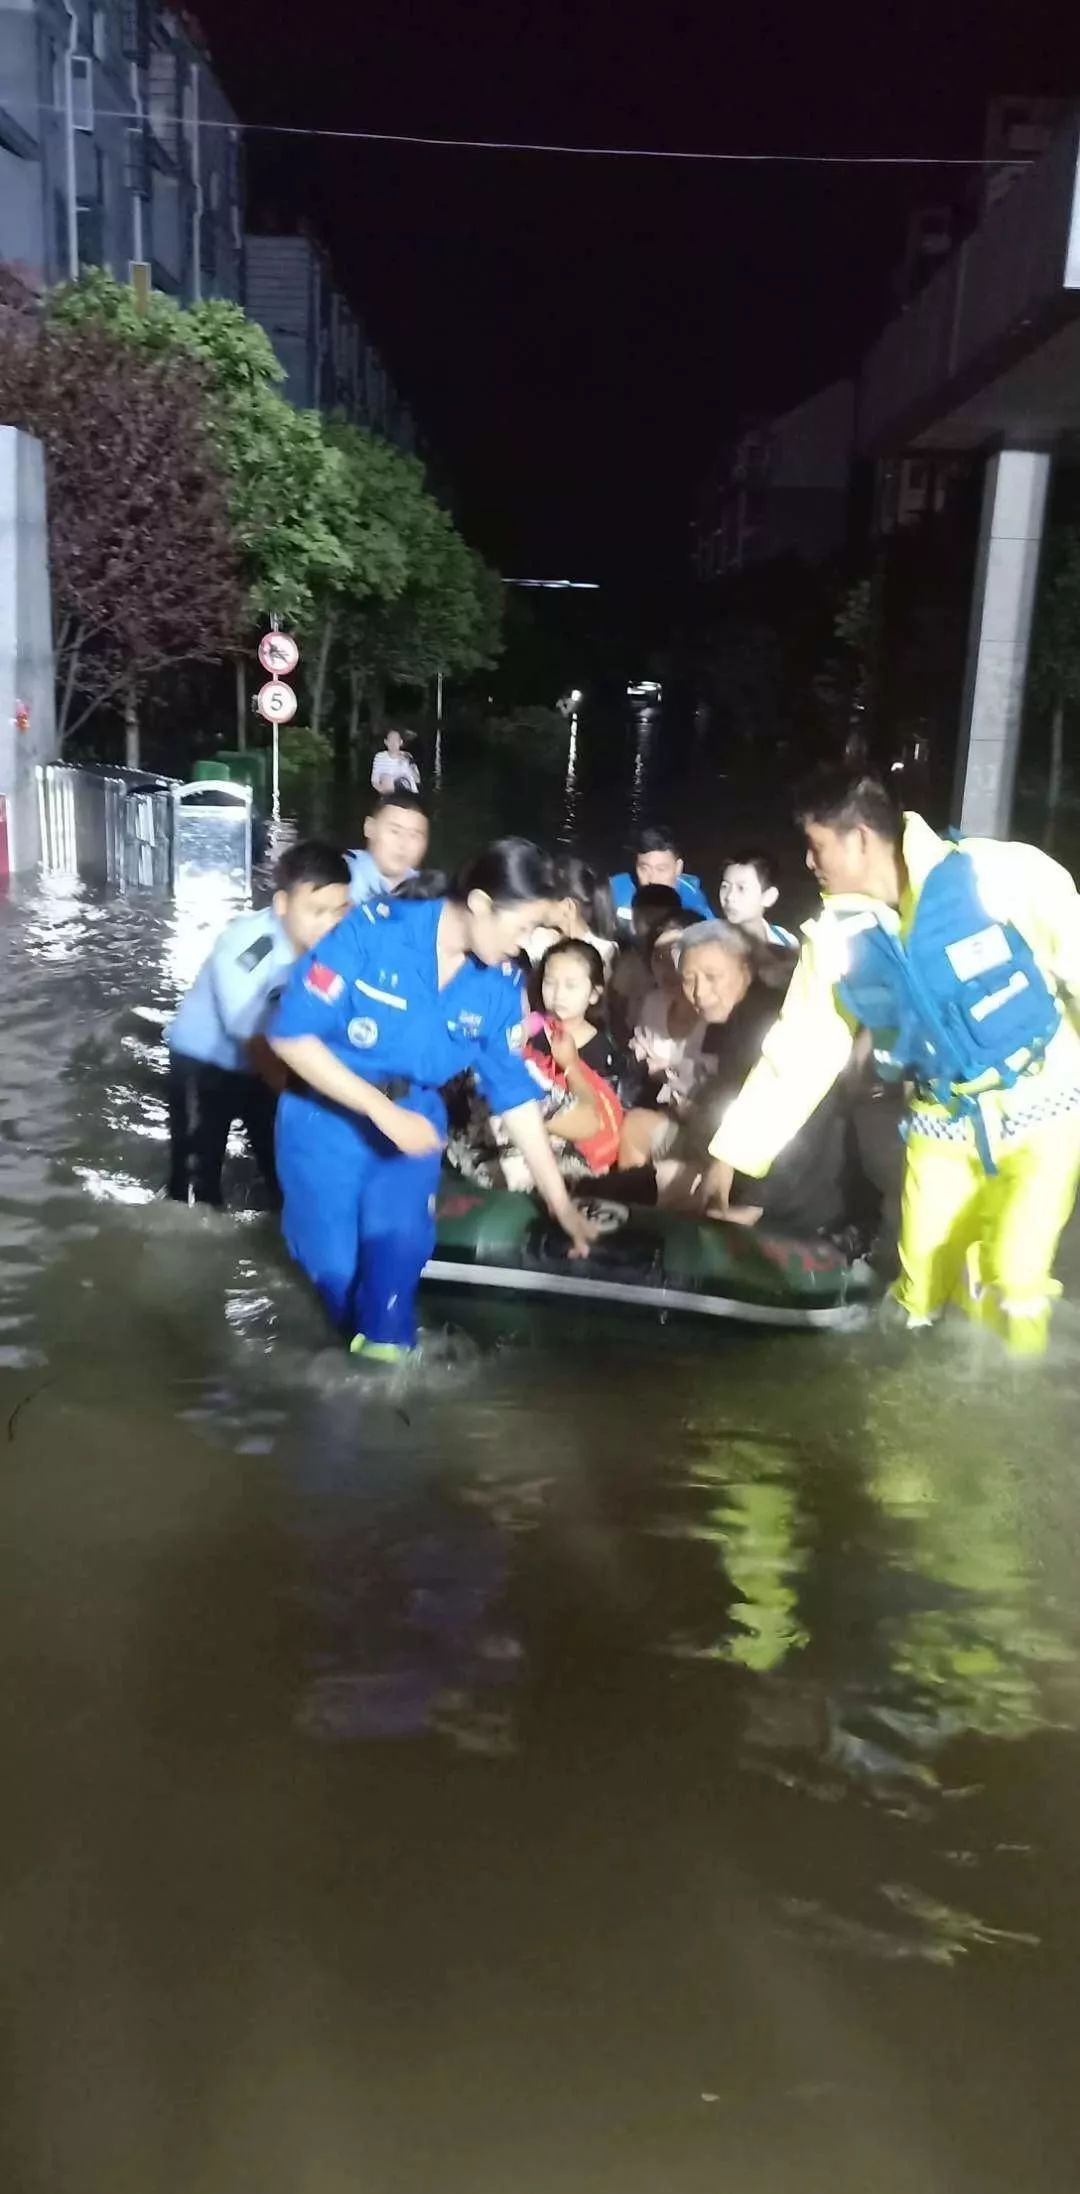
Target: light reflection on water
817 1595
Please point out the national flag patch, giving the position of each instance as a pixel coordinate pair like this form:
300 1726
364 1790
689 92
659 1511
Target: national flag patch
324 983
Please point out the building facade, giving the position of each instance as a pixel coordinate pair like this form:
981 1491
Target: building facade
330 363
781 489
118 148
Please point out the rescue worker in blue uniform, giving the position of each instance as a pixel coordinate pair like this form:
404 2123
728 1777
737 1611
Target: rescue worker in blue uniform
657 860
220 1070
400 1000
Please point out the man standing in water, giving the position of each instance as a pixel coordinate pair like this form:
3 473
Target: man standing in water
396 834
220 1067
393 770
964 964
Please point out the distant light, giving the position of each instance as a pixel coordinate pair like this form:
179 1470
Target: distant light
581 586
646 689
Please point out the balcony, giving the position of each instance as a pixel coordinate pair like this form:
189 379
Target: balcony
990 349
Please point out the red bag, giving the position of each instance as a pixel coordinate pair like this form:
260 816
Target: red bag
601 1150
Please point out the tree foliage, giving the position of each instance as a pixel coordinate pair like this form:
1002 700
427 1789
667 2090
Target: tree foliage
1055 652
447 614
314 521
143 567
284 484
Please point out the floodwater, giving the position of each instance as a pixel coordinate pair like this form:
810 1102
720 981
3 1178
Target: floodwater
622 1758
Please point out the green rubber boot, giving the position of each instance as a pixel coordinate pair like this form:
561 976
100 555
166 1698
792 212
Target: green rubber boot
379 1352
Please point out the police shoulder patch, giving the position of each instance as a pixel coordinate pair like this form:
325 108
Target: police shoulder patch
250 959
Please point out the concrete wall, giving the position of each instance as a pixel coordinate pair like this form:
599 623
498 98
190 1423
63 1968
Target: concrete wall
26 652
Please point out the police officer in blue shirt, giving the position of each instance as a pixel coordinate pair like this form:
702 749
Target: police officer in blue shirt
400 1000
212 1059
396 841
657 860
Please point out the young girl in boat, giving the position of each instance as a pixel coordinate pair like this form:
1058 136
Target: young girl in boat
575 1067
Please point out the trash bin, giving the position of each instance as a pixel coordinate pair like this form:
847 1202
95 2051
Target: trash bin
231 767
212 834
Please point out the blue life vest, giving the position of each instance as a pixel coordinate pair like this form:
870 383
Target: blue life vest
960 1006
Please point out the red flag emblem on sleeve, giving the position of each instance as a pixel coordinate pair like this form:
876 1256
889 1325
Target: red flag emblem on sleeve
324 982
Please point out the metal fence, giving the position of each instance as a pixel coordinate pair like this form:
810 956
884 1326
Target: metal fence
130 830
108 827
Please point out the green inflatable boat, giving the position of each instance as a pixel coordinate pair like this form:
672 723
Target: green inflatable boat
652 1260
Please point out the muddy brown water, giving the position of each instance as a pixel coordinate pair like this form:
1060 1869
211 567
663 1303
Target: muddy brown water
616 1756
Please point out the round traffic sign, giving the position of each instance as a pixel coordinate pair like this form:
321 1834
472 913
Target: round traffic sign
277 702
278 654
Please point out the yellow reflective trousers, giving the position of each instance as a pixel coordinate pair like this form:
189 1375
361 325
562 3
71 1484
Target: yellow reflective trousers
988 1240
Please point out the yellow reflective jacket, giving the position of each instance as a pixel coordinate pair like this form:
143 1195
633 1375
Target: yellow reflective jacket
811 1042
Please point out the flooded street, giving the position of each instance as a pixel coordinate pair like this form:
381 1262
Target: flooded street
614 1756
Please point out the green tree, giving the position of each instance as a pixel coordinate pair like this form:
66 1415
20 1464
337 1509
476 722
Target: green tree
336 532
1055 651
446 617
370 491
845 687
144 574
285 483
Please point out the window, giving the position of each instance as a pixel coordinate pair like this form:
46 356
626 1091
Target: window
60 238
91 235
82 92
50 75
916 471
135 31
137 162
99 32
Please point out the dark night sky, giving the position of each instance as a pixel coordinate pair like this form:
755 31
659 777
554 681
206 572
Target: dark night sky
578 335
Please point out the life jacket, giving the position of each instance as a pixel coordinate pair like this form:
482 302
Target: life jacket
960 1006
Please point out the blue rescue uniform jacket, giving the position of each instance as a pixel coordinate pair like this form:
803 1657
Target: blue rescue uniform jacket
233 993
370 991
624 885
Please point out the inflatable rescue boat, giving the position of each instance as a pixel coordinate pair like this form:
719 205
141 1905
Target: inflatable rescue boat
652 1260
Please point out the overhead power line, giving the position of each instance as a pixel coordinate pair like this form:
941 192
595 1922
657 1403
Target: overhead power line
585 152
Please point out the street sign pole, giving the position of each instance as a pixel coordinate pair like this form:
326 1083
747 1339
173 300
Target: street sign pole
279 656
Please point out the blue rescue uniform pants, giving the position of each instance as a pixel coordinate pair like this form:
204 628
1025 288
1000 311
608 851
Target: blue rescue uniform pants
359 1216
